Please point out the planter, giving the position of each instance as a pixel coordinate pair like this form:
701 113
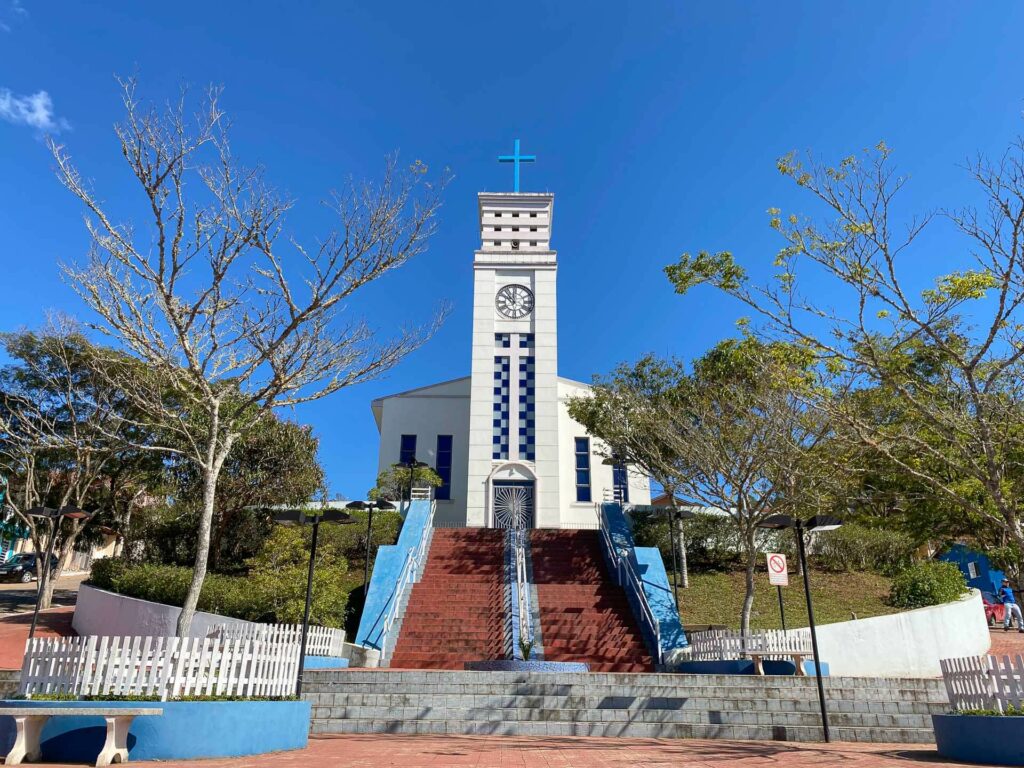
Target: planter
987 739
324 662
518 665
187 729
734 667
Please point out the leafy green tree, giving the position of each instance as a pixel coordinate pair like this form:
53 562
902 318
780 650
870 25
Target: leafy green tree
274 463
64 440
736 432
960 431
396 482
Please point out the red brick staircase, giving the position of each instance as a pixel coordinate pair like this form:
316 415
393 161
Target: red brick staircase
456 612
584 614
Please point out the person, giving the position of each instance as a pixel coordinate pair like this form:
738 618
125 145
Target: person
1010 607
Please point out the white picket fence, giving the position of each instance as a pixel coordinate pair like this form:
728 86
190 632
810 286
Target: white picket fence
731 644
161 667
984 682
320 641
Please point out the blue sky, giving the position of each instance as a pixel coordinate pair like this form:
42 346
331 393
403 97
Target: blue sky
656 124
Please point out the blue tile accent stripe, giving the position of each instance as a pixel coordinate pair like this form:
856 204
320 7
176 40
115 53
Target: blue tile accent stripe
502 399
527 409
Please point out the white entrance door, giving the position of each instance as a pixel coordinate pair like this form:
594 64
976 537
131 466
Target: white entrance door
513 504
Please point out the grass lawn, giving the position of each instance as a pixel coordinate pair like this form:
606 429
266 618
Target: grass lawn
717 598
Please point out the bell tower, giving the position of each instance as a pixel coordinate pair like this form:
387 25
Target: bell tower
513 420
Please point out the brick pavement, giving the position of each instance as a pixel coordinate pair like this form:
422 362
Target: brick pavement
55 622
377 751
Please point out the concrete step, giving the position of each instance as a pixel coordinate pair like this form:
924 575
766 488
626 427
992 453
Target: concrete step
626 730
608 704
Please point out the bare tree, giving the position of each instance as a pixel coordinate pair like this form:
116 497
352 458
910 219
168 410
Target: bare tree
950 356
230 318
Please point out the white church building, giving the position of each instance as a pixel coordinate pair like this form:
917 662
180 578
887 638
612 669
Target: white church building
502 438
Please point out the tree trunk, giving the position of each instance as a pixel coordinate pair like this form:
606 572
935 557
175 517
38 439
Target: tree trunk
211 473
748 598
67 550
188 609
681 539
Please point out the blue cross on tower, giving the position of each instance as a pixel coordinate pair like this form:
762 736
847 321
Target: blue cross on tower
516 158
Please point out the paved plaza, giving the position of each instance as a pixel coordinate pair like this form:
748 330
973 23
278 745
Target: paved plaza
375 751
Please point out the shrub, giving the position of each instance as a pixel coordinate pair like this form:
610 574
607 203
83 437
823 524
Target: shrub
858 548
928 583
268 594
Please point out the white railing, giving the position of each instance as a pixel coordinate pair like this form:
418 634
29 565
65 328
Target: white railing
420 493
984 682
732 644
160 667
406 577
522 588
320 641
629 580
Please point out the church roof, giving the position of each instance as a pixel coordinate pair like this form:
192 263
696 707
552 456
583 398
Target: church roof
447 388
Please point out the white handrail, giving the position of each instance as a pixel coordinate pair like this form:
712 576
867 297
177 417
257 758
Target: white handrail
628 579
407 576
522 588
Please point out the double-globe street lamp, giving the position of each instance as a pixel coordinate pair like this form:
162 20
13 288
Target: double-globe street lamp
800 527
369 506
313 517
43 571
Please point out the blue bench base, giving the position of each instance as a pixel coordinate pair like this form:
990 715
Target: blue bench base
186 730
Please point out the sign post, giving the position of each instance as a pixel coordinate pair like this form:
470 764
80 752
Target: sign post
778 576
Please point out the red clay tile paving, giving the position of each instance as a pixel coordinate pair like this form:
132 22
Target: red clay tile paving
1006 643
378 751
55 622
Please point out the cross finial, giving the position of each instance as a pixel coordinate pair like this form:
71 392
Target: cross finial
515 158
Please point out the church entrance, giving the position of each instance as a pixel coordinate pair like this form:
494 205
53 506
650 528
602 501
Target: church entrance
513 504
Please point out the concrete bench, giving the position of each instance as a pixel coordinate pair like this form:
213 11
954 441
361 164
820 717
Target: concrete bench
797 656
29 722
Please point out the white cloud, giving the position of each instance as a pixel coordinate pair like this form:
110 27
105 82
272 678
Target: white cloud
35 111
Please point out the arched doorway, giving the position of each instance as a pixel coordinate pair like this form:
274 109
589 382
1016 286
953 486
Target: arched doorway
512 491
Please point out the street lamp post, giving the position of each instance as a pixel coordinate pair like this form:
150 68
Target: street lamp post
816 523
54 516
370 506
315 517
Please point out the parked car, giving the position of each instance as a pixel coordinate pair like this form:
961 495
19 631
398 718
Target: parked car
22 567
994 610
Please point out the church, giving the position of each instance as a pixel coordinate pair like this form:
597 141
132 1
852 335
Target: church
501 438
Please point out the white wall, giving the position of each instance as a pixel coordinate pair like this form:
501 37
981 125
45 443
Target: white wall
440 409
908 644
98 612
602 484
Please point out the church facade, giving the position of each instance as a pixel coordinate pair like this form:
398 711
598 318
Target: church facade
502 438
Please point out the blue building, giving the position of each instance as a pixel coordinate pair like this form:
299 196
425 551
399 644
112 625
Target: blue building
975 566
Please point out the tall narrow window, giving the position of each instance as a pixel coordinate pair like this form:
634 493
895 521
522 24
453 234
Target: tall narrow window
444 467
583 469
620 482
407 452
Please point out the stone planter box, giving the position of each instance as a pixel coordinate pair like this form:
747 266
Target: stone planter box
990 740
186 730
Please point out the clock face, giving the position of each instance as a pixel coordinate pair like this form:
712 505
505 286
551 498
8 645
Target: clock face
514 301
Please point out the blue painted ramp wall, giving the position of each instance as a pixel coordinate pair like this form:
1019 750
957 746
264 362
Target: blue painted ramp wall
387 567
650 568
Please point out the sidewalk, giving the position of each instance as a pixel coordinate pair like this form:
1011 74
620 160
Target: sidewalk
55 622
378 751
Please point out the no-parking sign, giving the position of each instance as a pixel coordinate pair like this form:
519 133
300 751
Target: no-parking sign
778 573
